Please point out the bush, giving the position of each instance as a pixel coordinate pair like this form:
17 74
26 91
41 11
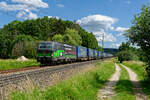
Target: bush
124 56
30 49
58 38
72 37
23 45
5 46
127 55
148 71
17 50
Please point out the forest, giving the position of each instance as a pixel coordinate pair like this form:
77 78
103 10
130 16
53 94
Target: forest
19 38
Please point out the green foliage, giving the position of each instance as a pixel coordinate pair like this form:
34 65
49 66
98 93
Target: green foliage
5 46
89 40
92 42
14 64
30 49
141 55
124 87
22 45
124 56
15 33
80 87
124 46
58 38
139 68
127 52
72 37
139 33
22 38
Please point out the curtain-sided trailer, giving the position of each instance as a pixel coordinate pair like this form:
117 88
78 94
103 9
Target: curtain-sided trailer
82 53
95 54
90 53
99 54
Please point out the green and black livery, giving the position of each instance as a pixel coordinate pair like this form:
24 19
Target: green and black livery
53 52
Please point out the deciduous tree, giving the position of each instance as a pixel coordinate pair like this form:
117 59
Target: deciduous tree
139 33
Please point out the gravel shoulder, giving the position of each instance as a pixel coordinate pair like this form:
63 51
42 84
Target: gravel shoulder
107 92
137 88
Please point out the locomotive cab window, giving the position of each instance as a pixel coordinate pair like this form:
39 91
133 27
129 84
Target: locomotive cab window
45 46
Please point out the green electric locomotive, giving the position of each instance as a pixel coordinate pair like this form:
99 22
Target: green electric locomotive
52 52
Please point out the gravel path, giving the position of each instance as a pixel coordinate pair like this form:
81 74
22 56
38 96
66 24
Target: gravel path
137 89
107 91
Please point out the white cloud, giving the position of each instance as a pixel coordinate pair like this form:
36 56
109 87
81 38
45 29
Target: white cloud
57 17
35 3
54 17
26 15
120 34
50 16
60 5
97 22
32 16
107 36
121 29
24 8
98 25
20 14
14 7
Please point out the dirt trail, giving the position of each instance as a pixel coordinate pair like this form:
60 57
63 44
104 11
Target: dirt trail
137 88
107 91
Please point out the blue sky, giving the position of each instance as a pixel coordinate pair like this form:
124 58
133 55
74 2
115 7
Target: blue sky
111 17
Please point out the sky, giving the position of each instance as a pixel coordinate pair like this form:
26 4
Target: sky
108 17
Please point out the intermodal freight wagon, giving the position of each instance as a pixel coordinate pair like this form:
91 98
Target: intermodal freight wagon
82 53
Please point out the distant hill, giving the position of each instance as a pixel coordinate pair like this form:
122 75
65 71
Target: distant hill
111 51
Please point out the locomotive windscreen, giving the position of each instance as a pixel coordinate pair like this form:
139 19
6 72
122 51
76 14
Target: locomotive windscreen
45 46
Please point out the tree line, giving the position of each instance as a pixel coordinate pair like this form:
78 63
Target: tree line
21 37
138 34
128 52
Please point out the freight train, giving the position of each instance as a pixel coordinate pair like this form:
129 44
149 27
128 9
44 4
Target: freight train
50 52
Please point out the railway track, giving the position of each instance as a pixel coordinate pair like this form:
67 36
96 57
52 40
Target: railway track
14 77
39 76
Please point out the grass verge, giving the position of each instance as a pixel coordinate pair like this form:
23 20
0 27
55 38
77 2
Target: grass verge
124 87
14 64
83 86
139 69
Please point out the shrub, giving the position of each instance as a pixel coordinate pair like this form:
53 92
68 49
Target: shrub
30 49
23 45
124 56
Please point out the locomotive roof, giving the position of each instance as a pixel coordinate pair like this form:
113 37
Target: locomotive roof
46 42
56 43
62 43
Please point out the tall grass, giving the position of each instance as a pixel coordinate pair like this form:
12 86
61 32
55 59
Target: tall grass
139 69
124 87
83 86
14 64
